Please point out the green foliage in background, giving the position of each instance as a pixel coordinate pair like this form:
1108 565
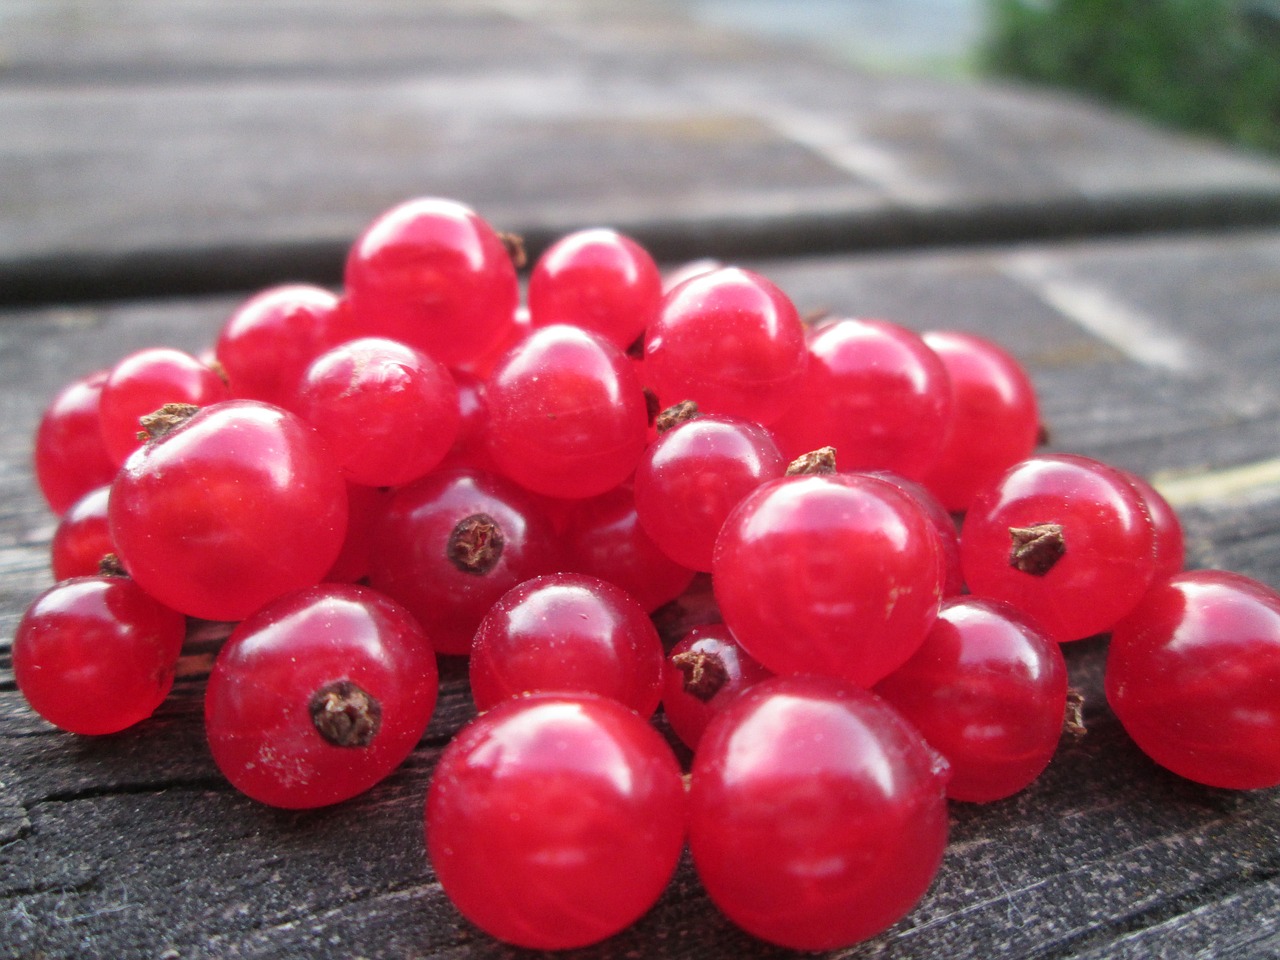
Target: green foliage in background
1206 65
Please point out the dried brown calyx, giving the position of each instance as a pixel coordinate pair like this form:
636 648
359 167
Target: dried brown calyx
704 673
165 420
515 249
1073 718
1035 549
476 543
676 414
820 461
345 715
111 566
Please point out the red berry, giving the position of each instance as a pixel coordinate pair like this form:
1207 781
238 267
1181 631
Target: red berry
434 275
555 821
988 690
817 814
730 341
1193 673
95 655
1171 551
836 574
70 455
567 416
82 538
319 695
235 506
705 670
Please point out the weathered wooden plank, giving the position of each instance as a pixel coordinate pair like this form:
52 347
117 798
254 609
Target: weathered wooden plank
545 116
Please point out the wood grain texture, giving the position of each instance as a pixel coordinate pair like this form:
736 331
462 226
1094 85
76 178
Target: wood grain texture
132 846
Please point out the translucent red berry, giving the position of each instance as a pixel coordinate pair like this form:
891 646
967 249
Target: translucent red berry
82 538
70 455
703 672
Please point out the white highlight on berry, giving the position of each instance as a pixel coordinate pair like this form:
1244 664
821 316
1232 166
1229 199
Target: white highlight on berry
1246 481
1137 335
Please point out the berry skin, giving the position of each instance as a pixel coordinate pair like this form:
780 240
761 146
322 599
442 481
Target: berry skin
145 381
988 690
83 537
994 419
694 475
554 821
567 415
837 574
948 535
319 695
1193 673
449 545
434 275
567 632
70 456
236 506
388 412
1065 539
270 339
705 670
599 280
730 341
1171 551
817 815
875 392
94 655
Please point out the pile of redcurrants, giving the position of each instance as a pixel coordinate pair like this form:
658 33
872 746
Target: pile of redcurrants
427 465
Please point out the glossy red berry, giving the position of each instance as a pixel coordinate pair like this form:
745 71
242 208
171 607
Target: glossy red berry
705 670
694 475
994 420
272 337
875 392
449 545
817 814
555 821
988 690
231 508
1193 673
70 456
1171 550
365 506
567 633
567 415
431 273
599 280
82 538
943 524
836 574
1064 538
388 412
145 381
95 655
319 695
730 341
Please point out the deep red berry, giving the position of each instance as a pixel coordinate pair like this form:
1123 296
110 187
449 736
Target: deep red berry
943 523
449 545
567 416
988 690
319 695
817 815
388 412
875 392
555 821
705 670
599 280
567 633
1171 551
836 574
365 506
95 655
994 419
730 341
82 538
431 273
1066 539
1193 674
70 456
231 508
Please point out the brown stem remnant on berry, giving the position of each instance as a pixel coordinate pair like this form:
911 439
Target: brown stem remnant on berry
345 715
820 461
165 420
704 673
111 566
1035 549
676 414
1042 435
475 544
1073 719
515 249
